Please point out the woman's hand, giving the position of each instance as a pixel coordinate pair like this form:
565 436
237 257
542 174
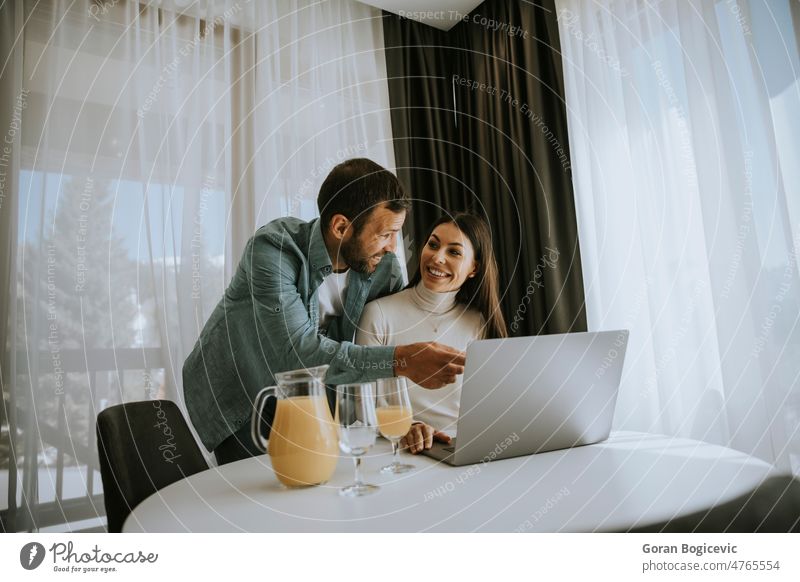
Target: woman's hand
421 437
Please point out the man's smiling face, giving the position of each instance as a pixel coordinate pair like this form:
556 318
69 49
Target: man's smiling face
377 237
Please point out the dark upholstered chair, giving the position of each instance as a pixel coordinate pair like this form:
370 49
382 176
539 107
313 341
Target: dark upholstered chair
773 506
142 447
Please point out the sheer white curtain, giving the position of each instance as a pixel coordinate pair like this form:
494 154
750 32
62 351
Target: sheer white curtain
152 139
684 124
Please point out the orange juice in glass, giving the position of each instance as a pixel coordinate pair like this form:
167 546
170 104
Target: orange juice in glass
394 421
393 409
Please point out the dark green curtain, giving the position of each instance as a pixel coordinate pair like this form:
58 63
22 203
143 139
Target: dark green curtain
479 124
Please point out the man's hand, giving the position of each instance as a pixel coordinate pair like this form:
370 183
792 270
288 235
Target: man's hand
421 436
429 364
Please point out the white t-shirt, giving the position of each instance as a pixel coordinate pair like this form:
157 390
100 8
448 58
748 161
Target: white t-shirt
419 315
331 294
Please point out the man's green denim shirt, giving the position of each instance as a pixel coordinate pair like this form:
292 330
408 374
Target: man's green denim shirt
267 322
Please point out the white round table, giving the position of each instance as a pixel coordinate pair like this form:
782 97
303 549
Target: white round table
632 479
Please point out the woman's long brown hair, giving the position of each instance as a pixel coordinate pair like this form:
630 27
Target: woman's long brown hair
482 290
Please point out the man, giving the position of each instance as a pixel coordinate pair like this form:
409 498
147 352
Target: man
294 302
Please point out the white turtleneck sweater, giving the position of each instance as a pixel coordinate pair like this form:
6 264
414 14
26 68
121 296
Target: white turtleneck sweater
420 315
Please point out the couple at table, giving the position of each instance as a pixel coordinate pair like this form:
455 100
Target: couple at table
330 291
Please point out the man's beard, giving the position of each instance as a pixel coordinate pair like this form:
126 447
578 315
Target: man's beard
355 259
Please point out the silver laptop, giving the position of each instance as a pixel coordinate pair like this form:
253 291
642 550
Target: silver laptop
534 394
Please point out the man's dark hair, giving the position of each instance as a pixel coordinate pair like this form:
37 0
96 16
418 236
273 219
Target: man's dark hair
355 188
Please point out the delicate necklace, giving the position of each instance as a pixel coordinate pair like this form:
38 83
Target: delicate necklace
436 326
435 317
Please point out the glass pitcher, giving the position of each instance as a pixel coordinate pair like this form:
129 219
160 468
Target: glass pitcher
303 442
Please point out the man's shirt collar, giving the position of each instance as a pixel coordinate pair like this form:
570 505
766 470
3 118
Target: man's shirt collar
318 256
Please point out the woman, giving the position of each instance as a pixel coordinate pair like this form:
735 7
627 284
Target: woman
453 299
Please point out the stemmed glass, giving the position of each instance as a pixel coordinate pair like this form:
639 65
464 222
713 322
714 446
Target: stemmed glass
393 409
355 414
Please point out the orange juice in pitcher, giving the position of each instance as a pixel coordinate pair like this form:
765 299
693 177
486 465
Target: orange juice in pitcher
303 442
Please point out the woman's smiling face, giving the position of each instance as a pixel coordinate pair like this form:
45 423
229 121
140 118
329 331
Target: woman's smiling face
447 260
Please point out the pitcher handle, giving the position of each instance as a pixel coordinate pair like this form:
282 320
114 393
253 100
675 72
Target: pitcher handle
258 409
